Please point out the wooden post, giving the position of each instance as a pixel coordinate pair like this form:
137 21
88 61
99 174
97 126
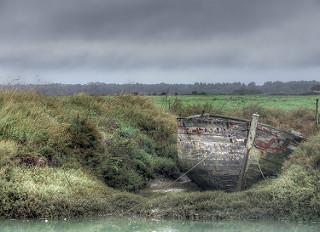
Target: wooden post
317 113
249 145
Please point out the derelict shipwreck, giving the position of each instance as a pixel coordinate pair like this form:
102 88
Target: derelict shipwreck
216 151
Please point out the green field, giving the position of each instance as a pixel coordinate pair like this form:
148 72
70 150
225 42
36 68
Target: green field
229 102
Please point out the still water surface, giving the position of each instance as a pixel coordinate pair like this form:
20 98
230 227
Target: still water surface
124 225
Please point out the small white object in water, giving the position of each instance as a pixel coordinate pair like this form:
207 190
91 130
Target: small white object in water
46 221
154 219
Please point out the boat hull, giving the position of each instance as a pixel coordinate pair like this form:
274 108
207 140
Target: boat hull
212 150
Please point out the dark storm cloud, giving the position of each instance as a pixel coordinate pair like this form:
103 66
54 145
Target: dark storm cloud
99 19
167 34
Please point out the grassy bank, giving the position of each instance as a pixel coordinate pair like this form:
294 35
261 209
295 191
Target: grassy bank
34 192
64 156
82 155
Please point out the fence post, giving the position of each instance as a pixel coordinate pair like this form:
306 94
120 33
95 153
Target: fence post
317 113
249 145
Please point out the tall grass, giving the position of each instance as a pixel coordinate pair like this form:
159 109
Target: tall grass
301 119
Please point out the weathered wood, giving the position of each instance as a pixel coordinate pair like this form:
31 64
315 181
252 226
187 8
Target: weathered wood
222 141
252 132
249 145
317 113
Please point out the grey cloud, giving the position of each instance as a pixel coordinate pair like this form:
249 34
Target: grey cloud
98 19
166 34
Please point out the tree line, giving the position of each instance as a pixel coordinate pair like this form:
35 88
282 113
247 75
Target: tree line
97 88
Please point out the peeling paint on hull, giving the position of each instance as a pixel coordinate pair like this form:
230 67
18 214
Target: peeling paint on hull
221 141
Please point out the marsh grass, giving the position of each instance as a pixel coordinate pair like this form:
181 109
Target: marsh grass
99 148
87 143
53 192
301 119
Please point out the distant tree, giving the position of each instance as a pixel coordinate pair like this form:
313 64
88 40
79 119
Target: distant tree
315 88
277 87
252 85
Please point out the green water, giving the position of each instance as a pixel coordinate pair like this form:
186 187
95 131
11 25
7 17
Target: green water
124 225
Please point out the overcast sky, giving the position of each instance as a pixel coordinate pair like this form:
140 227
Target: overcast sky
151 41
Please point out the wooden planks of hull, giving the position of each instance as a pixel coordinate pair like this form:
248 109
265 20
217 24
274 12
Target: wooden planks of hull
222 142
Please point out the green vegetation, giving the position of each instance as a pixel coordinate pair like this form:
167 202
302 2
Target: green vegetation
231 102
56 153
82 155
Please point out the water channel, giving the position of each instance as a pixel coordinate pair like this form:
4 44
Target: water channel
141 225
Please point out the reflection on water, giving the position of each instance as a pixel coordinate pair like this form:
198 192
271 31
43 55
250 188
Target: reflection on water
123 225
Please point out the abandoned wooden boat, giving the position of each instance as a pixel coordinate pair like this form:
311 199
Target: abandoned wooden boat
213 151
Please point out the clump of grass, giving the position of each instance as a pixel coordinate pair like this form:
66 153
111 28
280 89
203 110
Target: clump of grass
8 149
302 120
131 159
306 155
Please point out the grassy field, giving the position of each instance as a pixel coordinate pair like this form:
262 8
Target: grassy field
231 102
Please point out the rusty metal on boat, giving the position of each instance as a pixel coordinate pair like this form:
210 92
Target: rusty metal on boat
220 142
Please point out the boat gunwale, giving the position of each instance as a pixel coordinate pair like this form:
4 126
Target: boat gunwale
242 120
